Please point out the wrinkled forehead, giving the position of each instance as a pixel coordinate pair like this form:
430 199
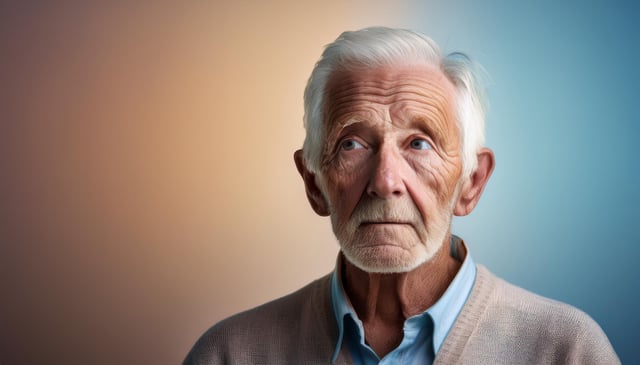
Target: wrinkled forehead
413 90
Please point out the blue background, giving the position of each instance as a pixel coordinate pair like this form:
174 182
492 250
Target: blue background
559 216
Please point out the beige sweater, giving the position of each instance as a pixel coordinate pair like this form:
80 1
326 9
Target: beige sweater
499 324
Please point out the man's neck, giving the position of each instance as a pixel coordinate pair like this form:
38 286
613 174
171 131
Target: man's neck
384 301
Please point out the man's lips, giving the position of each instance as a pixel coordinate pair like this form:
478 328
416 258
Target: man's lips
366 223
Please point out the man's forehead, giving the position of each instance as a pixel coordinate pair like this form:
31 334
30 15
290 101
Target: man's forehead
350 92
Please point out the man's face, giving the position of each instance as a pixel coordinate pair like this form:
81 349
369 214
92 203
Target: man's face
391 165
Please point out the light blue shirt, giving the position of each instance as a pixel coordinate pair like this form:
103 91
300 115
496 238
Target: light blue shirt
423 333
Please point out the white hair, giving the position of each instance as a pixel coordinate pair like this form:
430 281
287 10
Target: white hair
379 46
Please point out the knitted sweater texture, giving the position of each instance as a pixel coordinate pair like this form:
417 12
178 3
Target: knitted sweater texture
499 324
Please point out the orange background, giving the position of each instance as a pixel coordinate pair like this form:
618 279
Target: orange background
148 185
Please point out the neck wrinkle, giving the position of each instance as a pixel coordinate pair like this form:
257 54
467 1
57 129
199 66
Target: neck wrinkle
392 298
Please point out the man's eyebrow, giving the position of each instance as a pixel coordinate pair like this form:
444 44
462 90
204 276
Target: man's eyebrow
334 133
351 121
337 129
429 126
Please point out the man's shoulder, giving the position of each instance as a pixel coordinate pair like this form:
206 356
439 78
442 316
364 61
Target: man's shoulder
261 332
533 327
513 303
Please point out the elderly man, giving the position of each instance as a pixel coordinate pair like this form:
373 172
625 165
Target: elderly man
394 148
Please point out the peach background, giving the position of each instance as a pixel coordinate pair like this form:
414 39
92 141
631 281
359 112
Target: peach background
148 186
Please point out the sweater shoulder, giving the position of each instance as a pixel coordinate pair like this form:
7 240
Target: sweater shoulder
540 327
267 332
516 306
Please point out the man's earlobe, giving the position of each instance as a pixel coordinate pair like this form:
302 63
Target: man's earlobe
473 187
314 194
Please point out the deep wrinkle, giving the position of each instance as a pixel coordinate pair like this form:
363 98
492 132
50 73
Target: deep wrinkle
356 101
346 92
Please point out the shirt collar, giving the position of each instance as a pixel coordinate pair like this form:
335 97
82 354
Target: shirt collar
341 305
443 313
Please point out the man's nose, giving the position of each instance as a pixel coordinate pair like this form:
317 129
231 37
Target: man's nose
386 178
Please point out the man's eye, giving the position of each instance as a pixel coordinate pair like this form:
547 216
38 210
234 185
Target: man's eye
350 144
420 144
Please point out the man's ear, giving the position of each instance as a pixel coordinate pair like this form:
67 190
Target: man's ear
473 187
314 194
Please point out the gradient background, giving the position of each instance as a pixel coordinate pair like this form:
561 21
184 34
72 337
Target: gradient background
148 188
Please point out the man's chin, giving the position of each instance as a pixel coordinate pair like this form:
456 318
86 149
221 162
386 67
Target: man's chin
385 259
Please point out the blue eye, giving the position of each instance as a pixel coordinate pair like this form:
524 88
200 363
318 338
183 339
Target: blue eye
350 144
420 144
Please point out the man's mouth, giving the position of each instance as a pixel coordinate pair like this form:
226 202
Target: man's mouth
367 223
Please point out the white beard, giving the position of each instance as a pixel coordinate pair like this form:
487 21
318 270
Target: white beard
392 248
